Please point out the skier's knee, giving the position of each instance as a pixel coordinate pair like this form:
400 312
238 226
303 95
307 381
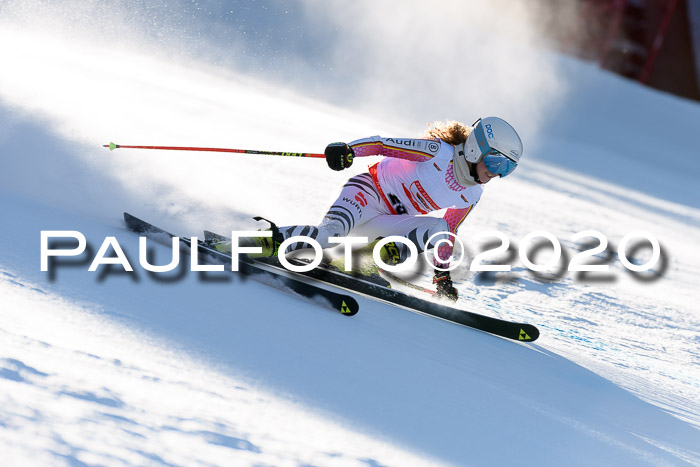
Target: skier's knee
438 231
334 226
441 226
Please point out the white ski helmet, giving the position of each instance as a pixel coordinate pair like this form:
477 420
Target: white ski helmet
489 134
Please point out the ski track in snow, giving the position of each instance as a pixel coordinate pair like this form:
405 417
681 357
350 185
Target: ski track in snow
96 393
112 368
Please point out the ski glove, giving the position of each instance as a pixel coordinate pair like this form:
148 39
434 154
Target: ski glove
445 289
339 156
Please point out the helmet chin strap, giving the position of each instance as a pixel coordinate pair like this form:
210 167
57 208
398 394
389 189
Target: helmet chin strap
474 173
464 172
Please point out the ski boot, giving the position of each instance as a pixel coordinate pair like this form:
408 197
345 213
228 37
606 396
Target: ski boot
364 266
445 289
268 245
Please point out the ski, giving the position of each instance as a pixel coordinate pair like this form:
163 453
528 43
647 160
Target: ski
281 279
407 284
522 332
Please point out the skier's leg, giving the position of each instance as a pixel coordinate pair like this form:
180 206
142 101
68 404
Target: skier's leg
423 232
357 203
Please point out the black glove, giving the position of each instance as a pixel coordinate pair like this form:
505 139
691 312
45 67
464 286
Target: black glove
444 286
339 156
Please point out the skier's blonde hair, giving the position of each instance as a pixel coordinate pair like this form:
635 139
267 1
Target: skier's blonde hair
451 131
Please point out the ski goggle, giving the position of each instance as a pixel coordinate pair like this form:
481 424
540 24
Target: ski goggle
498 163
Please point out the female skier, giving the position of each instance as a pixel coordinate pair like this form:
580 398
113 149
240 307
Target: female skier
445 170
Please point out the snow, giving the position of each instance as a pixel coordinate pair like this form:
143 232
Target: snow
114 368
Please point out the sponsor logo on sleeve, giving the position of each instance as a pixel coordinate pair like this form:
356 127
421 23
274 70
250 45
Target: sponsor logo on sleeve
417 144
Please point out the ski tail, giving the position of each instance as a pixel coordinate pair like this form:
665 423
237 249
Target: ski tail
214 237
344 303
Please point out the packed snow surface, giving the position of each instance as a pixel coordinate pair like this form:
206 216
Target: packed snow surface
110 367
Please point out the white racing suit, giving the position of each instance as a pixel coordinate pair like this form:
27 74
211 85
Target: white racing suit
415 178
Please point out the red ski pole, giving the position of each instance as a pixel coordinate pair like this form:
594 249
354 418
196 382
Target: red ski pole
113 146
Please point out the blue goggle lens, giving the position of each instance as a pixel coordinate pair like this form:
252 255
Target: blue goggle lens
499 164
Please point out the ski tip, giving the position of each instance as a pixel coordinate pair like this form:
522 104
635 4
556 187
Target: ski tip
111 146
528 333
349 307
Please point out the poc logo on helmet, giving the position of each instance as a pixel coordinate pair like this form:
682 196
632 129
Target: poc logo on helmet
489 130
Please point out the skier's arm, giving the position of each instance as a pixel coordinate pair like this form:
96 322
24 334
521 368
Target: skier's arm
442 278
417 150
